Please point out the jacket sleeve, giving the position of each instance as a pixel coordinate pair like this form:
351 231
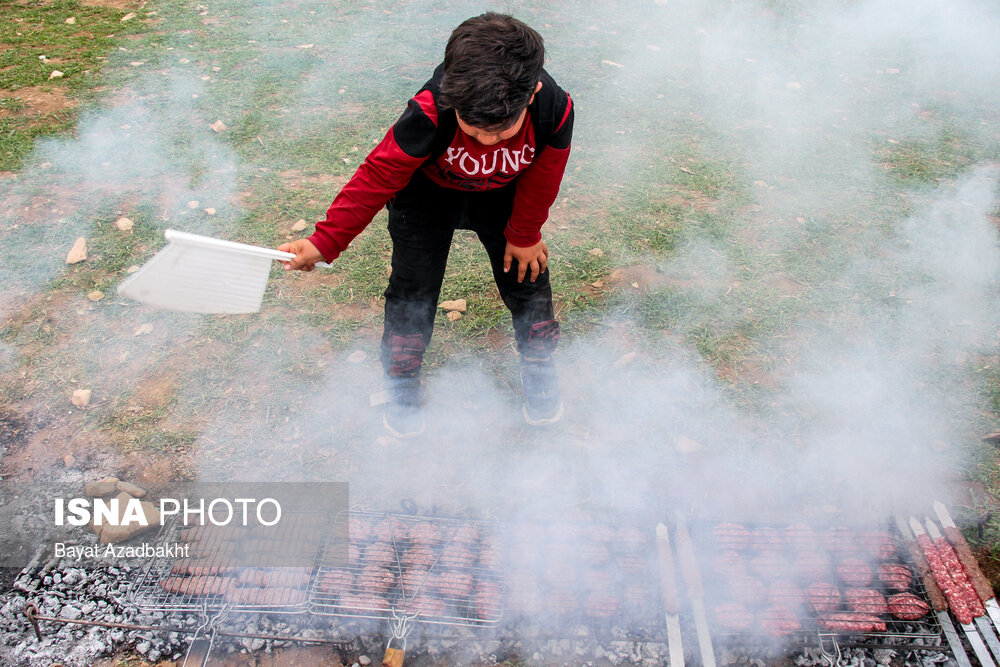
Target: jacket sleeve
386 170
538 186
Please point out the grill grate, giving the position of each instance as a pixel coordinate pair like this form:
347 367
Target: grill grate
795 582
445 571
252 568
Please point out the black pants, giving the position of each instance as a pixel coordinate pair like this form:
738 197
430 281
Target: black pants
423 218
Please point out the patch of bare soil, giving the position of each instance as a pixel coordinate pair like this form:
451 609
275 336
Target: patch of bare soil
38 101
114 4
296 180
637 276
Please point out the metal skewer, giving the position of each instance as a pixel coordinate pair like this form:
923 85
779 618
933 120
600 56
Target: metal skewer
671 600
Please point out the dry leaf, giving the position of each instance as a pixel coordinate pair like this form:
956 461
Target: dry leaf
71 20
132 269
305 46
78 252
612 63
456 305
299 226
96 295
597 283
124 224
357 357
81 398
128 17
218 126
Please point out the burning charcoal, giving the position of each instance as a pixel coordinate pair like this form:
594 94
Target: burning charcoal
769 565
729 563
768 539
359 529
732 617
895 576
633 565
823 597
812 565
747 590
907 607
418 556
784 593
852 622
334 581
779 621
487 600
600 604
561 602
391 529
466 534
381 554
732 536
453 585
799 536
456 556
630 538
425 533
594 553
601 532
376 579
865 601
854 572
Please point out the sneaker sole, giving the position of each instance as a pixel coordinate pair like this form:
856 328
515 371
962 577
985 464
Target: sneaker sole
547 421
404 436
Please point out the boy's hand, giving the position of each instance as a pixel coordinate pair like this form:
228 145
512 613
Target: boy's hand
306 255
534 257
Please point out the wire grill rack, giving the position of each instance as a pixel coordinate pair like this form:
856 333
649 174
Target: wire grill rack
438 570
251 568
793 581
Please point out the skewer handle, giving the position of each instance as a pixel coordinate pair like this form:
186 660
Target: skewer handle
668 575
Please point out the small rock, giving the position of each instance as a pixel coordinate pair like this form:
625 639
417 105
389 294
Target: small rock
456 305
129 530
70 21
299 226
209 211
78 252
193 204
96 295
55 74
81 398
131 489
365 660
453 315
685 445
218 127
69 460
143 647
357 357
124 224
597 284
70 612
104 487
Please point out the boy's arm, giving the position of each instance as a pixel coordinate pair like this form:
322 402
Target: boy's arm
386 170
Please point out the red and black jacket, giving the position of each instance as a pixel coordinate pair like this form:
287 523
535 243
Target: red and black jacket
427 137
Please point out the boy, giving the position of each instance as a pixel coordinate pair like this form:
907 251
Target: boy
482 146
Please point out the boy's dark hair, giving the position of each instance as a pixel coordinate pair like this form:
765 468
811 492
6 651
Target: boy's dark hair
491 65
